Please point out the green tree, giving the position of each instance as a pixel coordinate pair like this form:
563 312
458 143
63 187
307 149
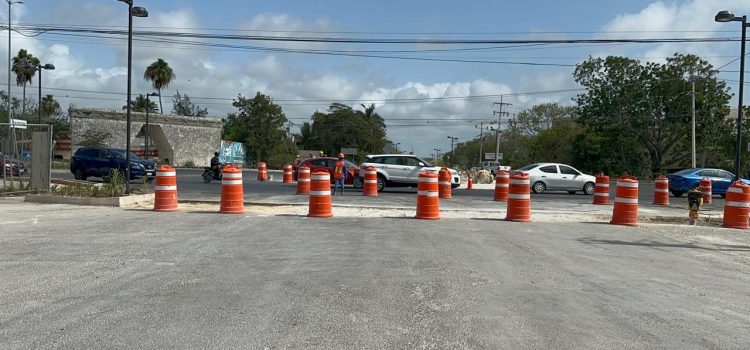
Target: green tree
160 75
305 139
542 117
24 66
259 125
50 107
140 103
181 105
648 102
343 127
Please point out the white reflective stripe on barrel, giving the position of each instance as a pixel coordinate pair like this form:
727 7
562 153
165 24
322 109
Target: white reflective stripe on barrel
519 196
444 182
320 193
165 188
304 171
626 200
601 194
288 172
371 181
501 185
303 180
166 173
506 176
627 184
735 190
370 172
232 176
519 182
428 179
427 193
737 204
321 177
662 181
231 182
603 185
661 190
706 192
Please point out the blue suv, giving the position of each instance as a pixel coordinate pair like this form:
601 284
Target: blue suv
99 162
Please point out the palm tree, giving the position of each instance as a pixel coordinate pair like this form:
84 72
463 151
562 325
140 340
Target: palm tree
24 65
49 106
160 75
305 139
139 105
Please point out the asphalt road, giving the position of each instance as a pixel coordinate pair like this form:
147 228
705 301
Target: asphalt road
105 278
191 187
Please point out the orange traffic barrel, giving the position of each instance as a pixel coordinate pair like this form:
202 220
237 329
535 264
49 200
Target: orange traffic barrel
444 183
262 171
737 206
469 183
502 181
320 195
625 211
519 198
705 187
232 197
661 190
288 174
601 189
428 201
303 180
370 187
165 189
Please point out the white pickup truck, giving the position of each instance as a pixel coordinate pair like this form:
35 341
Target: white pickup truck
493 167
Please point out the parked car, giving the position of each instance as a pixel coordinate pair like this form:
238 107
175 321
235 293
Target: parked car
493 167
329 164
560 177
12 166
684 180
402 170
100 161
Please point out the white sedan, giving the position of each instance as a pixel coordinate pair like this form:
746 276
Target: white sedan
560 177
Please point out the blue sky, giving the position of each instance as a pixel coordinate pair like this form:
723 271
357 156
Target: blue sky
302 83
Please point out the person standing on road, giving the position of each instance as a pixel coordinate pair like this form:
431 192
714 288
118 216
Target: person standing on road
339 174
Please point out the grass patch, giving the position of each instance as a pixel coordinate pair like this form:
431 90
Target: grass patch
113 187
61 164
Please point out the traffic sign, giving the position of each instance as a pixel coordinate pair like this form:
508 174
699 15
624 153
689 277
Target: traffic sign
491 156
18 123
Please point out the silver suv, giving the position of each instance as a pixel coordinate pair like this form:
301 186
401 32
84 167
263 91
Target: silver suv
401 170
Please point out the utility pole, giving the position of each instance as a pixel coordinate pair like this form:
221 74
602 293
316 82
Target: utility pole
452 155
437 154
693 112
500 115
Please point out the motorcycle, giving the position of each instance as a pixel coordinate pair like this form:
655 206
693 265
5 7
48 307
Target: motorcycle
209 174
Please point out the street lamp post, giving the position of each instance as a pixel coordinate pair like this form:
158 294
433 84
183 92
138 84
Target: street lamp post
146 134
136 11
452 155
39 67
396 145
437 153
723 17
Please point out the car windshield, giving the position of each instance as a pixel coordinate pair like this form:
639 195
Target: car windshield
685 172
528 167
120 154
426 163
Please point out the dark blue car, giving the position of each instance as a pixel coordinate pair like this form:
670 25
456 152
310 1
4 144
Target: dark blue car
684 180
100 161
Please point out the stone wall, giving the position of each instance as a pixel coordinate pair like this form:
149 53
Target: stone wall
179 139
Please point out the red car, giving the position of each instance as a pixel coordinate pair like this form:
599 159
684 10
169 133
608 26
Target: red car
328 164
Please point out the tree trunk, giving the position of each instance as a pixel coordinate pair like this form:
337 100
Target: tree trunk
23 102
161 108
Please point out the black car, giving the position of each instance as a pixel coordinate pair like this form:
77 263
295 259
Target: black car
100 161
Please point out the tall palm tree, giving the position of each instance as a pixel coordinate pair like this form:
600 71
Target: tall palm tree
24 65
160 75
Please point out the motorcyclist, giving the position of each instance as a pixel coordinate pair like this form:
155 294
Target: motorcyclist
215 164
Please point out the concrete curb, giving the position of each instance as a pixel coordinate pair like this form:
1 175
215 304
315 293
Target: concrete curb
124 201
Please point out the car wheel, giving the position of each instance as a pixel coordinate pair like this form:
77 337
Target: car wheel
80 174
588 188
357 182
539 187
677 193
572 192
381 183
